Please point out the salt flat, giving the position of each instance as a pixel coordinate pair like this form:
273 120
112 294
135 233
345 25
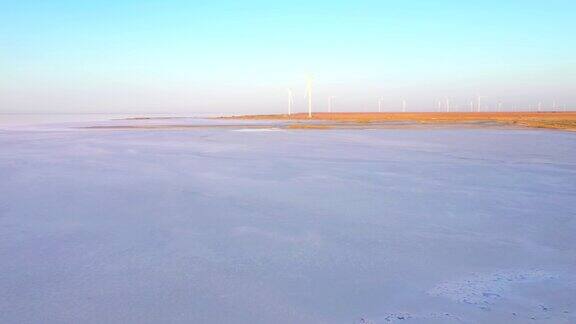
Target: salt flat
224 225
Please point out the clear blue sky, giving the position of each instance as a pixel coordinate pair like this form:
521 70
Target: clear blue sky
240 56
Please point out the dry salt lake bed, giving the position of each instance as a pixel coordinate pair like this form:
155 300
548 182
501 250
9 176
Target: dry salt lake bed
222 221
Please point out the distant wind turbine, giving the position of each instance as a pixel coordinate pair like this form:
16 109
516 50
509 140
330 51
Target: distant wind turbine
330 99
479 98
309 95
404 105
290 101
447 104
380 104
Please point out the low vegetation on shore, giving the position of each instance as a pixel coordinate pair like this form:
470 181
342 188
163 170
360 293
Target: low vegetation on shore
554 120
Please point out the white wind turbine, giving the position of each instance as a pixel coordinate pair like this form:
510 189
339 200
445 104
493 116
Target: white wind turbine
380 104
479 99
330 101
403 105
290 101
309 95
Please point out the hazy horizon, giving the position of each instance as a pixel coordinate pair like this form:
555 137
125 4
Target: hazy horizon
228 57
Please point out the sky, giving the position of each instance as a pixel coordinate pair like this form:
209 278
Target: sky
176 56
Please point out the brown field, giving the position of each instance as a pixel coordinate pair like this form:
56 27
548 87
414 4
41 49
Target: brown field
555 120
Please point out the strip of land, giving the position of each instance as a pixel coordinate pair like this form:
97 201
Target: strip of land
554 120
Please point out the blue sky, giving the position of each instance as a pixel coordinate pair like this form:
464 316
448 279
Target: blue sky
240 56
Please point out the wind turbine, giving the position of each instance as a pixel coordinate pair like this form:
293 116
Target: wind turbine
330 99
309 95
380 104
539 106
447 105
403 105
290 101
479 98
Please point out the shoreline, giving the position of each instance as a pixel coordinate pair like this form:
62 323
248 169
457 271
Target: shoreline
552 120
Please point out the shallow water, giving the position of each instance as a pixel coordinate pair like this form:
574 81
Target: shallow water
213 225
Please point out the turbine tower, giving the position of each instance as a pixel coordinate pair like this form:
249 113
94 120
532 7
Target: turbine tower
447 105
479 99
309 95
380 104
290 101
330 99
403 105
